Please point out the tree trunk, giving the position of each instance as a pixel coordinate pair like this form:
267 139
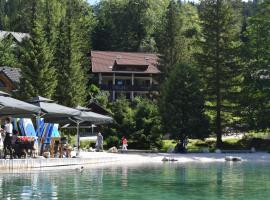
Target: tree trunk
218 86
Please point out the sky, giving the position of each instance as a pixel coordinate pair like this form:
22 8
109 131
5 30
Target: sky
92 2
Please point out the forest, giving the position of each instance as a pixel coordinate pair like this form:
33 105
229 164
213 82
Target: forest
214 56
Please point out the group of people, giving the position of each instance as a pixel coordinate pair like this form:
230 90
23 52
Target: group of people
99 142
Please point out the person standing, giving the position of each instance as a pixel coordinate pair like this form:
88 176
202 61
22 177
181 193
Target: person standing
124 143
8 126
99 142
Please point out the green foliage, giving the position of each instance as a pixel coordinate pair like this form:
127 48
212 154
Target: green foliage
139 121
177 35
219 61
115 32
182 104
255 93
7 53
71 90
123 114
148 124
113 141
38 74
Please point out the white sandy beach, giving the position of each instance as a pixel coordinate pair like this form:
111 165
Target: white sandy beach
181 158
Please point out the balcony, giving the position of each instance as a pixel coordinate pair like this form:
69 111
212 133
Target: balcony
129 87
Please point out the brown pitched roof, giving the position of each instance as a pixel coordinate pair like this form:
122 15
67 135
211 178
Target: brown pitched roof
103 61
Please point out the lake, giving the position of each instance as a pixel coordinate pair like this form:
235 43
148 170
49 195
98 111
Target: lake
168 181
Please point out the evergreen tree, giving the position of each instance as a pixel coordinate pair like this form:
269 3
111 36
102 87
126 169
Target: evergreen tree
127 25
3 16
19 15
54 11
170 39
255 93
219 61
177 35
7 53
182 104
71 89
38 74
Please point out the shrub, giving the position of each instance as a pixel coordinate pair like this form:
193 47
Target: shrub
112 141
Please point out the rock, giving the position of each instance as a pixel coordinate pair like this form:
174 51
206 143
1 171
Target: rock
113 150
169 159
231 158
47 154
80 169
253 150
165 159
91 149
154 150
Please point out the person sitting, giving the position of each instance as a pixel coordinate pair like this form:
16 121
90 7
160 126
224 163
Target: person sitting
14 137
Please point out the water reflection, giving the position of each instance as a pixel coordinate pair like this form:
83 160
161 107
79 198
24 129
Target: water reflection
161 181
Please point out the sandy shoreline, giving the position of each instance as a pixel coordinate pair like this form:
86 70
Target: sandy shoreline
181 158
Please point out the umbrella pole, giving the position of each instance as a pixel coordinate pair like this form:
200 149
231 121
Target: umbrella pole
78 138
38 134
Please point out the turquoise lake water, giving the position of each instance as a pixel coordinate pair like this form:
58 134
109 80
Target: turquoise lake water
218 181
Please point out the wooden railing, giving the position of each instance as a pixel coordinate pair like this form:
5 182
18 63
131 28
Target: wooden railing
129 87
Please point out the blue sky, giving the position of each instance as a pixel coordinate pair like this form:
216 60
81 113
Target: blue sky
92 2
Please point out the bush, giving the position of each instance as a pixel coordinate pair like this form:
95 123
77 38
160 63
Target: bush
85 144
112 141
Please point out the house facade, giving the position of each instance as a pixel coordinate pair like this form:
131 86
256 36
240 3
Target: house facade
126 74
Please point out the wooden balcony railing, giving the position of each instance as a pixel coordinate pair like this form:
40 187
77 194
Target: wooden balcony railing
129 87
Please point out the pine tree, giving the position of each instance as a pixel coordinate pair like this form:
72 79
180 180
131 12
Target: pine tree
176 37
38 74
71 90
218 60
255 93
7 53
182 104
3 18
127 25
54 11
170 39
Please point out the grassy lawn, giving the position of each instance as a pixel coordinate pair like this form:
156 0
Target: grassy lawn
246 143
260 141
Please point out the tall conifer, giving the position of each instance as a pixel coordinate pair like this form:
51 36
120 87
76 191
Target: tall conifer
71 90
218 60
38 74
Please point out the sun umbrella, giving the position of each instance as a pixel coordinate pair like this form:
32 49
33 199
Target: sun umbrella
86 117
53 112
52 109
16 108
